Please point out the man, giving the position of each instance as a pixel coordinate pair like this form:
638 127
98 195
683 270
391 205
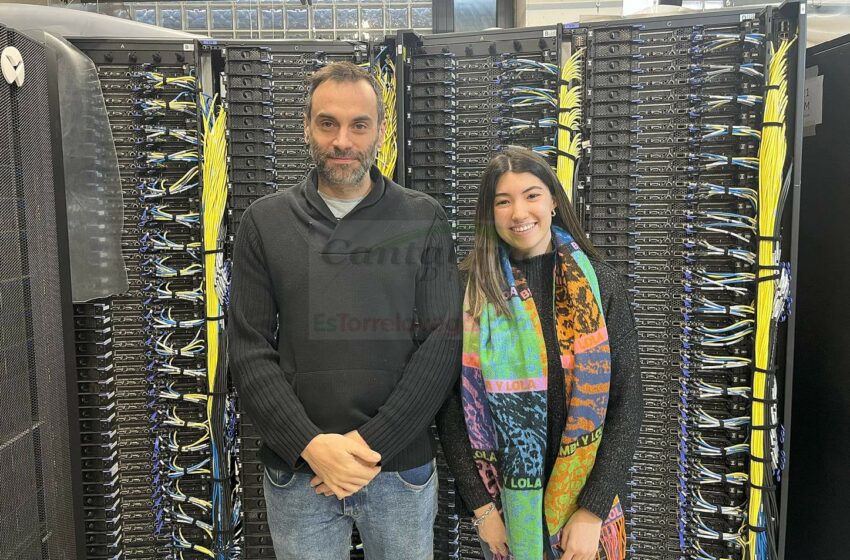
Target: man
344 338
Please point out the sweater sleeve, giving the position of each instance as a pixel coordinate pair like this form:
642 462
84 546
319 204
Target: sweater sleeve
254 359
434 365
625 407
457 449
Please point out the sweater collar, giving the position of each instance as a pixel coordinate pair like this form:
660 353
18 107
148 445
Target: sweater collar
375 193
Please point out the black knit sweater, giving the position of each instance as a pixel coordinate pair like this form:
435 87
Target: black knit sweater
340 325
625 405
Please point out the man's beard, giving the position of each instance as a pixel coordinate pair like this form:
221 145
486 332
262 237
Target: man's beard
339 175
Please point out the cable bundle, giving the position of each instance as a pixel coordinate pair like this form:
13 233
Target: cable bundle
715 41
182 103
525 68
528 88
224 516
155 81
569 121
154 133
772 282
703 73
528 96
388 151
159 188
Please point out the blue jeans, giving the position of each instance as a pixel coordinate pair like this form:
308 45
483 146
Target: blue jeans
394 514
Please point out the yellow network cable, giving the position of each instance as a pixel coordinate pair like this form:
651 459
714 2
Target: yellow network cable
772 155
387 154
569 121
161 80
213 199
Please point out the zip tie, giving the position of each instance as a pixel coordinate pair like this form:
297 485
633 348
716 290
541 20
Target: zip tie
569 128
763 488
567 155
761 460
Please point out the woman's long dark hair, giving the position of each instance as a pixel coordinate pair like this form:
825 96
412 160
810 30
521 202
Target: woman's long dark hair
486 283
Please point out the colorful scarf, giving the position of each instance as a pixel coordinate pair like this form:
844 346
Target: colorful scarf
504 385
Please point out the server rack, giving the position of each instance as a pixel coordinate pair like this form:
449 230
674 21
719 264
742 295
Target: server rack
158 326
40 507
649 269
671 122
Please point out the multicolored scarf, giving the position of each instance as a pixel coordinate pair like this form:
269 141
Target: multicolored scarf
504 385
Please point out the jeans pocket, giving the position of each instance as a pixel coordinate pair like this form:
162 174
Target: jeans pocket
418 478
280 478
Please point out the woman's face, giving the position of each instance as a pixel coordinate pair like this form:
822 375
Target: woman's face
523 214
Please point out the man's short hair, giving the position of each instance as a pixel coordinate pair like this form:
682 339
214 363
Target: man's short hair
343 72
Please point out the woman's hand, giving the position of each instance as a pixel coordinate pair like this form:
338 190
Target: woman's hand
580 537
492 530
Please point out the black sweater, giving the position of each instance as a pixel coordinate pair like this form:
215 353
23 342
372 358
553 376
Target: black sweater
344 325
625 404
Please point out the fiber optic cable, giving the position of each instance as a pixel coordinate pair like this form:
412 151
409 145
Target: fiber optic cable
214 197
772 158
569 121
388 150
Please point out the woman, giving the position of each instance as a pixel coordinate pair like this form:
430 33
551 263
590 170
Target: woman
542 428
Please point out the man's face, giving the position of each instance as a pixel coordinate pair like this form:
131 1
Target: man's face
343 132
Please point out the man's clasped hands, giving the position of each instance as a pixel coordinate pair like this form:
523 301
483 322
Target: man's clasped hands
343 463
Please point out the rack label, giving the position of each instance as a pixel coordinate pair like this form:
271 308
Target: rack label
812 104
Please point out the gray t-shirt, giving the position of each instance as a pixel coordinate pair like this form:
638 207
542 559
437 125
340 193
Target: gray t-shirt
339 207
